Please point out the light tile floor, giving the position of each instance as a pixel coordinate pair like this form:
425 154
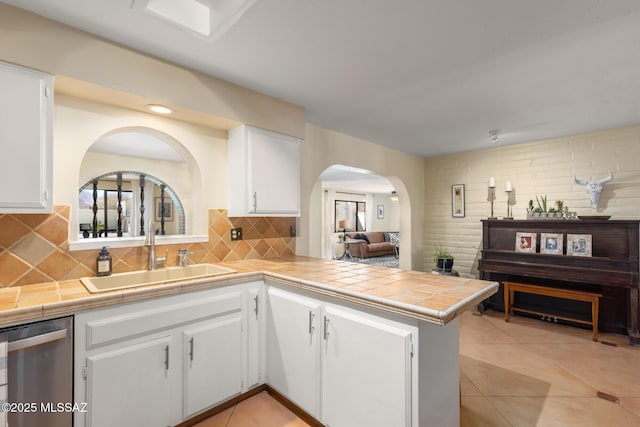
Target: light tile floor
522 373
531 373
260 410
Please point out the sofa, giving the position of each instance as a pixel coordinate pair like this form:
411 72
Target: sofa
372 243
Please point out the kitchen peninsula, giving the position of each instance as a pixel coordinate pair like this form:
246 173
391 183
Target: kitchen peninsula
348 312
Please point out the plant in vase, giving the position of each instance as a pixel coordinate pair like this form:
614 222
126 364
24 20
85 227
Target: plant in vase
443 260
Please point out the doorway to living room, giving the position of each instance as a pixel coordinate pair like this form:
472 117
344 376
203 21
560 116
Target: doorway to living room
360 217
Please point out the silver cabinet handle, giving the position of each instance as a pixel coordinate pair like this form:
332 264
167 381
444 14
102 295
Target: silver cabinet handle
326 328
36 340
166 358
191 349
311 316
256 309
255 201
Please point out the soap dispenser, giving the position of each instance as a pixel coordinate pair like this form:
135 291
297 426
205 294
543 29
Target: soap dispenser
104 262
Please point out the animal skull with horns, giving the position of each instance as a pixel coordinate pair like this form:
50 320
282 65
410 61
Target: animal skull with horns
594 188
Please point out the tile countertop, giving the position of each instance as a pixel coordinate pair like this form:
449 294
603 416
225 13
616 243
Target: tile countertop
424 296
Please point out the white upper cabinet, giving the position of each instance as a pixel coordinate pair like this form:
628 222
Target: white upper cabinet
26 136
264 173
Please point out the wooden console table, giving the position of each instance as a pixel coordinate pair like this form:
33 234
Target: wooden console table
611 271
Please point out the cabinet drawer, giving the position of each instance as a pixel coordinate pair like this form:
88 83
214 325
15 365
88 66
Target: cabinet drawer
143 318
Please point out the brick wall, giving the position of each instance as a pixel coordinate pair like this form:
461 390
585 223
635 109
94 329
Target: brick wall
534 168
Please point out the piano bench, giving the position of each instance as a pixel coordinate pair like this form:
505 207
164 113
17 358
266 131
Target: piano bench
510 288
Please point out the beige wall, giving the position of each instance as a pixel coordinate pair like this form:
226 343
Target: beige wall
391 214
323 148
535 168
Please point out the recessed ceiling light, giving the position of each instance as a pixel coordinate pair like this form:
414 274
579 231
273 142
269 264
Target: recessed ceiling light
160 109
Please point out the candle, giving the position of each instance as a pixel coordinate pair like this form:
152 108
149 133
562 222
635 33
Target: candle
508 186
492 182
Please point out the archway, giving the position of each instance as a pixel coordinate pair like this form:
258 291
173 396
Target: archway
151 153
386 205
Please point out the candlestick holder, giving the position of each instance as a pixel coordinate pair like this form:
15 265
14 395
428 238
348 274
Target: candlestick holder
492 197
509 208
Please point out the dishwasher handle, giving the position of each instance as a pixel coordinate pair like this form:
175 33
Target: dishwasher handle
36 340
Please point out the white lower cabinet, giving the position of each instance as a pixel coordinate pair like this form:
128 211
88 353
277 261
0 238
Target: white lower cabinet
293 348
345 367
255 309
124 385
158 362
366 371
212 351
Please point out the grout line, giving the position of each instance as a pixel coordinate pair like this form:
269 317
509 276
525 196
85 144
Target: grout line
231 416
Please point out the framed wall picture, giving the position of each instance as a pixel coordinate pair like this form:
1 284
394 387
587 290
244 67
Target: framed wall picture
457 200
165 209
380 211
551 243
525 242
579 244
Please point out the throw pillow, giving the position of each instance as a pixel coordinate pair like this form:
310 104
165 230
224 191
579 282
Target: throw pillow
394 238
362 237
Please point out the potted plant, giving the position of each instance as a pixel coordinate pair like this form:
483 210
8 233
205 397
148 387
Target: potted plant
559 208
542 206
443 260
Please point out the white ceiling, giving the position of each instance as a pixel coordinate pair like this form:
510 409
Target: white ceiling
427 77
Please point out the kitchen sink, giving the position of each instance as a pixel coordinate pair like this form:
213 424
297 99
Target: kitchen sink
135 279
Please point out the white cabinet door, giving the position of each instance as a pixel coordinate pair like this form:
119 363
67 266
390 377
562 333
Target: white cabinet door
125 386
366 371
264 173
274 170
26 116
212 362
293 348
255 335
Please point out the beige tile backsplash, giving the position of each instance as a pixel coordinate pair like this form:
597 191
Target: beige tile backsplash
35 248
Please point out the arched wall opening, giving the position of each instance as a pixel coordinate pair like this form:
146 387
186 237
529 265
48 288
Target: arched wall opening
167 159
383 213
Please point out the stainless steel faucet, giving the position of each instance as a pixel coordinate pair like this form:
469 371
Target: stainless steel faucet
183 257
150 241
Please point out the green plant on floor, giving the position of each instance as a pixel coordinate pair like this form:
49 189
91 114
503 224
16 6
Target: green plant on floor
443 259
441 253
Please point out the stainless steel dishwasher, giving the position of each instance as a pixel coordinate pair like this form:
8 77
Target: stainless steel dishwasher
40 374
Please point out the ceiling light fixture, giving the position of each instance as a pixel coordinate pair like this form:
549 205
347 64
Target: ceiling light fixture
207 18
494 135
192 15
160 109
